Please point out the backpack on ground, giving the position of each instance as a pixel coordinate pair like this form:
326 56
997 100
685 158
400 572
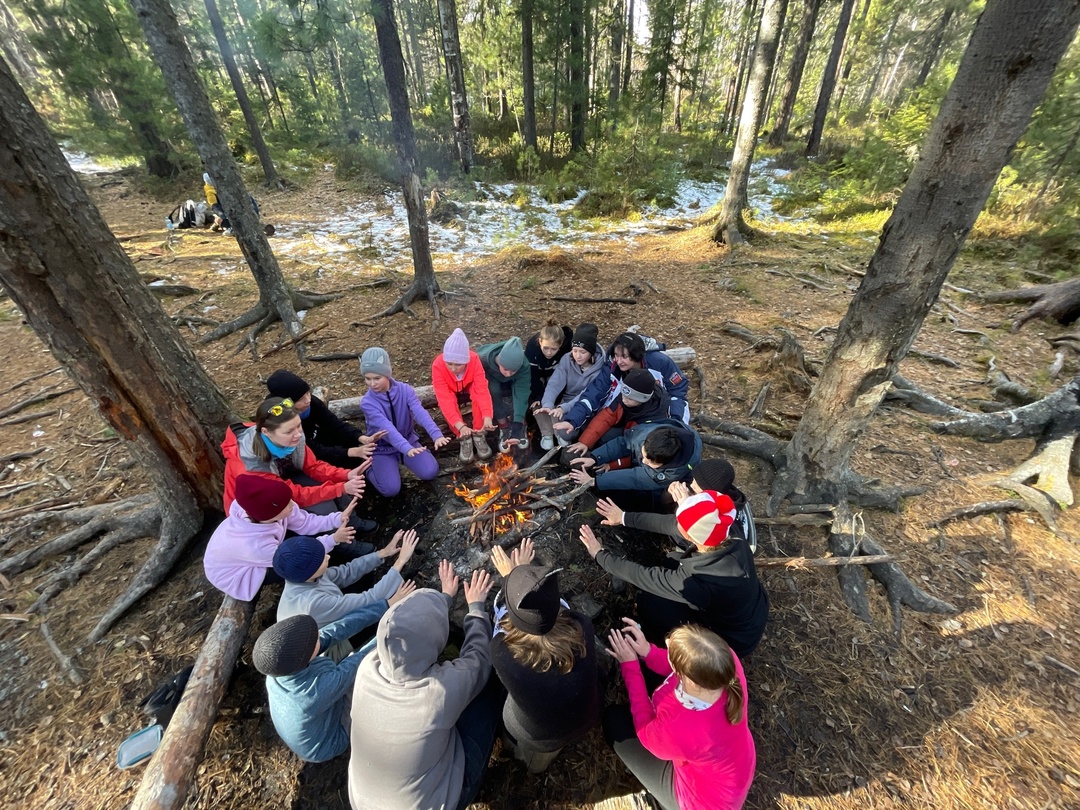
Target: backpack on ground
188 214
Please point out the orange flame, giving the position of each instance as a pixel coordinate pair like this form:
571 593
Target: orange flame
496 474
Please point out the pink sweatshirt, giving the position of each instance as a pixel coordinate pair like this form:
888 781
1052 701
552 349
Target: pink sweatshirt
240 550
714 760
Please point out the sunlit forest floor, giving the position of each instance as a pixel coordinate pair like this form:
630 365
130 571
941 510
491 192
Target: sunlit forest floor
973 710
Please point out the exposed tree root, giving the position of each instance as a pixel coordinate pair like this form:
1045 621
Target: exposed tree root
906 392
1060 301
1050 469
742 439
263 315
89 522
980 509
848 538
417 289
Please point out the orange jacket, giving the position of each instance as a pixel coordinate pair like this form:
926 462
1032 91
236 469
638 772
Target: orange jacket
447 387
239 460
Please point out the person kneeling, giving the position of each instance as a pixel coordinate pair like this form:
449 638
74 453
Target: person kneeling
423 730
308 692
689 744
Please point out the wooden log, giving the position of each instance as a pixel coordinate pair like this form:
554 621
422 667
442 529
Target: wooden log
819 562
169 773
349 407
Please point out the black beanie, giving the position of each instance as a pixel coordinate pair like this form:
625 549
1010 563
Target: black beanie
286 647
715 474
283 383
639 385
585 337
532 598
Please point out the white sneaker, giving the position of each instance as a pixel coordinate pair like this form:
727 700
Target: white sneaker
547 442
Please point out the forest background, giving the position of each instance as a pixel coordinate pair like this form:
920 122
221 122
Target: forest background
613 107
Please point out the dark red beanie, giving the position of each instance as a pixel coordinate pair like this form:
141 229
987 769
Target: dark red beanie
261 497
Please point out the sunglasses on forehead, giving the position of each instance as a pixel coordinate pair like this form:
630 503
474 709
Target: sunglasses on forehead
279 409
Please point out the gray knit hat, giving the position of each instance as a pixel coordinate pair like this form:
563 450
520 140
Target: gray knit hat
375 361
286 647
512 355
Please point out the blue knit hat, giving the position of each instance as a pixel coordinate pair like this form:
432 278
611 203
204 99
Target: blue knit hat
375 361
298 558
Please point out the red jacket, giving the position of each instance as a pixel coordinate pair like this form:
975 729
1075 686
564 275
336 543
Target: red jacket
447 387
240 460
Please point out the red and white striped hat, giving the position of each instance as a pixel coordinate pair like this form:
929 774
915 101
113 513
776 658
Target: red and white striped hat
706 517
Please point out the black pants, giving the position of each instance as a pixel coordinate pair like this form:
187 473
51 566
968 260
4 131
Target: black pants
656 775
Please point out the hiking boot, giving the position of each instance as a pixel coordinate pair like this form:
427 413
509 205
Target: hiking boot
505 442
483 449
364 526
547 442
465 449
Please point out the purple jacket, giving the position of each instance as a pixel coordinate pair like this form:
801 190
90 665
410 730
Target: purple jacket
240 550
397 412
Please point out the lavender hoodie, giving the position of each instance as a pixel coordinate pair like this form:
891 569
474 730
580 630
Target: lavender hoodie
397 412
240 550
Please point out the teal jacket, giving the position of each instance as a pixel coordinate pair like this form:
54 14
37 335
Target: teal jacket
522 380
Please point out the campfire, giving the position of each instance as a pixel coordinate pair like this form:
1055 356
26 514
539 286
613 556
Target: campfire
508 497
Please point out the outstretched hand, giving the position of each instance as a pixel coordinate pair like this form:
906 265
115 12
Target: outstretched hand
522 555
588 539
635 638
404 589
679 491
448 579
612 514
621 649
476 589
409 541
441 442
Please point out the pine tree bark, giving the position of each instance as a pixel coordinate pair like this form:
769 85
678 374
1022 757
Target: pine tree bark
616 30
218 27
576 65
167 44
528 77
455 70
424 283
82 296
933 49
790 93
1002 76
828 78
730 228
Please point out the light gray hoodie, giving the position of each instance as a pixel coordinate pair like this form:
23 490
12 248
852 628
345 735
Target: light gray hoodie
406 752
569 380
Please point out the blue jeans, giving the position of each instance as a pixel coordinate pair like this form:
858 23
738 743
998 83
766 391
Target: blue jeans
477 727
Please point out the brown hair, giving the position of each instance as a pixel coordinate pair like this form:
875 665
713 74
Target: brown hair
707 660
265 419
552 332
558 647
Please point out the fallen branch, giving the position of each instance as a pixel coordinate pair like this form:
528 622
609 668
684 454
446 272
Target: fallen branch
819 562
579 300
29 417
980 509
295 339
20 455
43 396
66 663
31 379
169 774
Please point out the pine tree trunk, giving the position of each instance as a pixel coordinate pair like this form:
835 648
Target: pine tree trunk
218 27
742 65
455 70
616 30
82 296
417 54
849 59
730 227
171 53
828 78
528 77
790 92
576 65
393 65
933 50
1002 76
628 63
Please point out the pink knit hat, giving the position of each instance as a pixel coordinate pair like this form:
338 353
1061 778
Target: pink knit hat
456 348
706 517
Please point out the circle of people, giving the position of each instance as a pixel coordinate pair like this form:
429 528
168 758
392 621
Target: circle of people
420 726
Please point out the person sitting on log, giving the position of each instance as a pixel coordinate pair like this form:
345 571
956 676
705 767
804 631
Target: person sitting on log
457 375
317 590
544 351
640 401
331 439
423 730
688 744
638 466
274 447
545 655
570 378
715 474
714 584
392 410
309 693
509 381
240 553
628 351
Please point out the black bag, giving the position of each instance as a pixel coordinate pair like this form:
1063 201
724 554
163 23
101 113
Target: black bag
162 702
